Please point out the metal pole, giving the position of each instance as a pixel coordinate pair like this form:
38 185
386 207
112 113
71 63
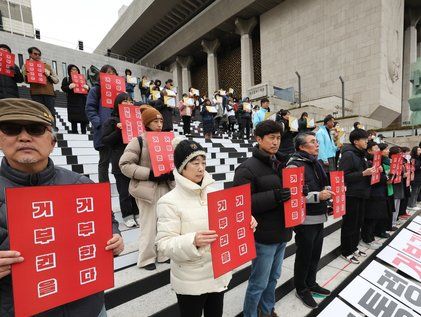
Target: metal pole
343 96
299 88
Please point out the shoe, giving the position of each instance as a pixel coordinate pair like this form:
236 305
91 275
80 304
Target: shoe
317 289
307 299
405 216
359 253
365 244
130 223
149 267
376 245
394 228
384 235
351 259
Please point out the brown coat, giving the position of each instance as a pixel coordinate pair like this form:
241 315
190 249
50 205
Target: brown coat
136 165
38 89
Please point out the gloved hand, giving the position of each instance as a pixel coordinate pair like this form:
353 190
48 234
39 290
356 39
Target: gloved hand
282 194
161 178
306 190
152 177
47 72
72 85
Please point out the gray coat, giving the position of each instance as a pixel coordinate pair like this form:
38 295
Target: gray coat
9 177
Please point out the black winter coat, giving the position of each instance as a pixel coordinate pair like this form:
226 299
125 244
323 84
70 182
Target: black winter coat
287 138
353 162
376 206
8 87
166 113
113 138
75 103
268 211
417 178
86 307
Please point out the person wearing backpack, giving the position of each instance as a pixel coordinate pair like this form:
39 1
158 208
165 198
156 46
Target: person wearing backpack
136 164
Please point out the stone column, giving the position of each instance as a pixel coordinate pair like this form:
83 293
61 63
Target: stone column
409 57
210 47
244 28
185 63
177 78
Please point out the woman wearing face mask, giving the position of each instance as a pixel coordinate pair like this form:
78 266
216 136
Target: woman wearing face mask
112 137
75 102
135 163
184 235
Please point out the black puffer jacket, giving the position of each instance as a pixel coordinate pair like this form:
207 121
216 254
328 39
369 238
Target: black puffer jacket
113 138
353 162
166 113
287 139
8 87
85 307
417 177
269 212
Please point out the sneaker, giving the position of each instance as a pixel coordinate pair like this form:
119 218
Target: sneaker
384 235
405 216
130 223
307 299
359 253
317 289
149 267
376 245
351 259
365 244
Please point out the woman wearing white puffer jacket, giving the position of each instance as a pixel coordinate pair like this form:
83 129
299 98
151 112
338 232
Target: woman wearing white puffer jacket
184 235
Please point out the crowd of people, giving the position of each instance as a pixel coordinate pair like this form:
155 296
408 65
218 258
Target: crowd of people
172 209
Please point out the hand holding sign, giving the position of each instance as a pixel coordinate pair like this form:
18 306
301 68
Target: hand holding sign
8 258
203 238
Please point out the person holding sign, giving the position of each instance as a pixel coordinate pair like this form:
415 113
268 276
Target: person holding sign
43 94
207 119
328 149
112 137
244 111
287 144
309 235
27 140
8 83
398 187
97 115
135 163
186 107
75 102
416 183
357 180
264 173
166 109
260 115
303 124
130 83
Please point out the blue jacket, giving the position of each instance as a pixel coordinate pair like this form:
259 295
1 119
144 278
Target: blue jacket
96 114
259 116
327 147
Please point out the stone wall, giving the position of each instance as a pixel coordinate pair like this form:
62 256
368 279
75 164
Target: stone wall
323 39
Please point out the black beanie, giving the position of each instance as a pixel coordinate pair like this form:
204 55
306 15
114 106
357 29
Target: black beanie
185 151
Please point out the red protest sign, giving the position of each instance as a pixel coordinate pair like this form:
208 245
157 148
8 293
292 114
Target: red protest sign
377 160
161 152
61 231
295 208
131 121
35 72
412 169
80 81
338 187
399 168
408 173
7 63
111 86
229 213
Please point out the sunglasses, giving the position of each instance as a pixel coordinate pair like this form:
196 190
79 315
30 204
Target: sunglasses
13 129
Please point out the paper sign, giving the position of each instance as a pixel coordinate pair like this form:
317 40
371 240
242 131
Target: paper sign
414 227
7 63
79 80
35 72
408 243
394 284
372 301
295 208
131 121
417 219
219 99
211 109
169 101
61 231
111 87
156 94
408 173
412 170
229 213
170 93
231 91
161 152
247 106
399 170
131 80
338 308
145 83
377 161
222 92
293 123
401 261
188 101
339 199
195 92
310 123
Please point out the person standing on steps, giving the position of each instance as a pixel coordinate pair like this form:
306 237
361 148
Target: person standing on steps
8 84
263 171
135 163
357 181
260 115
309 235
184 235
75 102
327 147
97 115
113 138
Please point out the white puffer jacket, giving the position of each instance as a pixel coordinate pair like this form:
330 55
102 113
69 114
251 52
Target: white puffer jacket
181 213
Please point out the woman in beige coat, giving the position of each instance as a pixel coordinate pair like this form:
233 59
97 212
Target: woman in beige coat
135 163
184 235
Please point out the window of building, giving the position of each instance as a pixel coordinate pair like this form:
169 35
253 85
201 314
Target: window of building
64 69
54 65
20 57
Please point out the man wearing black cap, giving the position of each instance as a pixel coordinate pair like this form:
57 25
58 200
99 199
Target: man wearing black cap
26 139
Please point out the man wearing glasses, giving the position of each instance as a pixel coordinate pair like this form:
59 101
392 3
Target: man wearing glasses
43 94
309 235
26 139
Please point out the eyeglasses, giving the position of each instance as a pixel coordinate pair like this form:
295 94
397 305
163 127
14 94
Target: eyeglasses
13 129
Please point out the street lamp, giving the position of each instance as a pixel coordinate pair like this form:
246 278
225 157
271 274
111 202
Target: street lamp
299 88
343 96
